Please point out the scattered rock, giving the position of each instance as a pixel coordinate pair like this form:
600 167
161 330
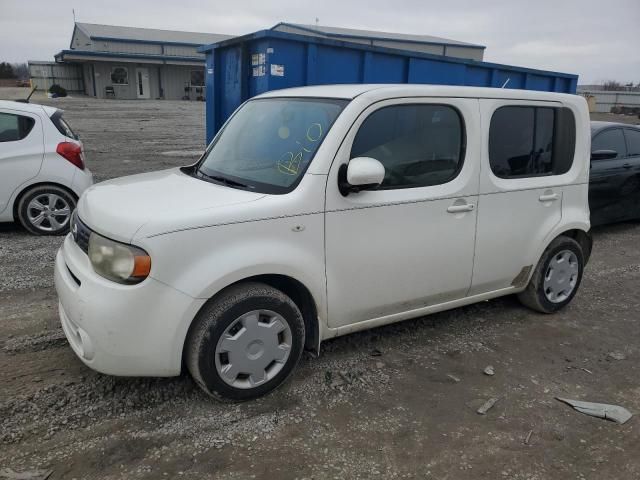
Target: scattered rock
488 405
11 474
35 343
616 356
375 353
489 371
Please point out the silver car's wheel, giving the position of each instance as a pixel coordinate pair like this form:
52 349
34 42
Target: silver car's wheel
46 210
561 276
49 212
253 349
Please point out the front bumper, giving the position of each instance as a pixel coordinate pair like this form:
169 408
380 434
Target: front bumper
128 330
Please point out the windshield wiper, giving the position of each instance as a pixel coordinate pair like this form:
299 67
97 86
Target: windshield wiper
221 179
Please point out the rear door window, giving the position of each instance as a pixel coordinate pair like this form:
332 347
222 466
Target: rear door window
14 127
611 139
633 142
528 141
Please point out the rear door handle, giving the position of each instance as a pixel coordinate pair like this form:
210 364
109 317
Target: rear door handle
626 165
551 197
469 207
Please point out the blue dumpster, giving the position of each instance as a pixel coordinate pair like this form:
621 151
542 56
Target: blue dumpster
242 67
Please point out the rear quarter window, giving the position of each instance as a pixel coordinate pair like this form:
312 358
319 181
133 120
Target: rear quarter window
528 141
63 127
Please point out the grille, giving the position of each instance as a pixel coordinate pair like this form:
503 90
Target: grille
81 234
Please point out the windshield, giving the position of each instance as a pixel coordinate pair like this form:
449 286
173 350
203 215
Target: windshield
269 143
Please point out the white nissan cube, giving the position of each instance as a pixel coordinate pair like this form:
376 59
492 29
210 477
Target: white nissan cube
320 211
42 168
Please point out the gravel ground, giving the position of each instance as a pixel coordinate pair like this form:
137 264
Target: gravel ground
395 402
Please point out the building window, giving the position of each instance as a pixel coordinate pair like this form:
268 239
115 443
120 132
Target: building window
120 76
419 145
197 78
531 141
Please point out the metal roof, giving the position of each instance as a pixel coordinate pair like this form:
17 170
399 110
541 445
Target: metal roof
148 35
124 56
337 32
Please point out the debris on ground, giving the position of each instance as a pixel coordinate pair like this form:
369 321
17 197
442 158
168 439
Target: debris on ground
375 353
488 405
453 377
616 356
489 371
528 439
344 378
11 474
600 410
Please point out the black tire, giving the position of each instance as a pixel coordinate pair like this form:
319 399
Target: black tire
534 296
45 228
212 321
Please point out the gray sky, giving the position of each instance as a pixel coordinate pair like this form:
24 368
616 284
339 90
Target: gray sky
599 40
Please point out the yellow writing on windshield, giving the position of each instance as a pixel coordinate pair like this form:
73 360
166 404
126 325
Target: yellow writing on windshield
289 163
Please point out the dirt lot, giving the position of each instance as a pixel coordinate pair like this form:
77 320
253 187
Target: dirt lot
406 410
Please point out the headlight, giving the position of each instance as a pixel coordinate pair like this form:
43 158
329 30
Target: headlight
117 261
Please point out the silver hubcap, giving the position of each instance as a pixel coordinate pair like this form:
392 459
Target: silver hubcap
253 349
49 212
561 276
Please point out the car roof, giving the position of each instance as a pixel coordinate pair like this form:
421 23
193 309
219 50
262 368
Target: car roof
395 90
597 125
28 107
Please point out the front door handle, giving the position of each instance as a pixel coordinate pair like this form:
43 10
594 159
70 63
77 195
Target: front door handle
551 197
468 207
626 165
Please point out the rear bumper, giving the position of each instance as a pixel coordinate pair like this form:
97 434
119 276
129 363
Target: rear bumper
127 330
82 179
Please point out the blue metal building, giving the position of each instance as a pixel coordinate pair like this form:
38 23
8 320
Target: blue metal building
242 67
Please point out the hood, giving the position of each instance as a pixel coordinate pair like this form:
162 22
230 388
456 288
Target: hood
163 200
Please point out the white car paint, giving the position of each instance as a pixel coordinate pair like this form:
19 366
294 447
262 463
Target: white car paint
367 259
33 160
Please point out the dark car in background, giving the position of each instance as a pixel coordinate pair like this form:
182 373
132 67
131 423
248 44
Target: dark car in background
614 181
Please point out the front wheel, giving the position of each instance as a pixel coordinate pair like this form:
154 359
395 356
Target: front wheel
556 278
245 342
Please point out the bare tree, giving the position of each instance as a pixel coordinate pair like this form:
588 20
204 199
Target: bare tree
21 70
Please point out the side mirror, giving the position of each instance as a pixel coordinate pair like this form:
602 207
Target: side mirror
603 154
361 173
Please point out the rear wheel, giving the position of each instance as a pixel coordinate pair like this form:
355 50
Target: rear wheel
245 342
556 278
46 210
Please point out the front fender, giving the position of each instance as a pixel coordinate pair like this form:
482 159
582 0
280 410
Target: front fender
201 262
